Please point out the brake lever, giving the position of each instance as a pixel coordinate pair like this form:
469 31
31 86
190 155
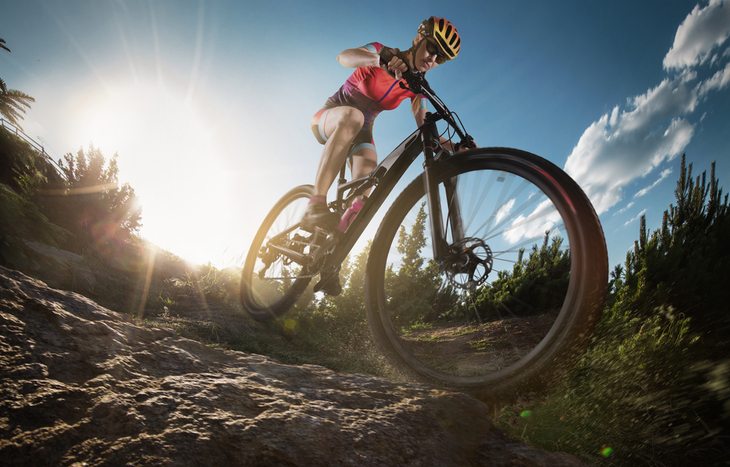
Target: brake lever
467 142
414 81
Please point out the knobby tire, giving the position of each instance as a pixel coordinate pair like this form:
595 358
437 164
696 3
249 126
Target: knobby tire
270 297
580 307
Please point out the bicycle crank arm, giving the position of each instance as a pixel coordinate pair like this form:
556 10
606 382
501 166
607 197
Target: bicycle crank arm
325 248
295 256
308 260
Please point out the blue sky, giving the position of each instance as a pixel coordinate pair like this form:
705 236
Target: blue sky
208 103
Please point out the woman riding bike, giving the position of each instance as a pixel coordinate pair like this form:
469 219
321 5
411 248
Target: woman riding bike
484 208
344 125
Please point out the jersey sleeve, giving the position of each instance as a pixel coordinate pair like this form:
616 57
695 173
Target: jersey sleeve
373 47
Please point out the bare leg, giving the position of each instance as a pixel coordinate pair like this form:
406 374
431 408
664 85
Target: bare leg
341 126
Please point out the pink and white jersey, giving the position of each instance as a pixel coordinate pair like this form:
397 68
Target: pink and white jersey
371 90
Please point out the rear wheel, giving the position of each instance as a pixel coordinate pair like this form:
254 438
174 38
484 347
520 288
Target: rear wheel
275 273
517 298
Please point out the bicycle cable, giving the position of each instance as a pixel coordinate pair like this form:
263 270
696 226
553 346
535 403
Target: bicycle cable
417 84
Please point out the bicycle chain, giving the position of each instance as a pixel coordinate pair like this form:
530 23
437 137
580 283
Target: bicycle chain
311 276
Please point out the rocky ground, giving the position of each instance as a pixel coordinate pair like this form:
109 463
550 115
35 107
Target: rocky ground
83 385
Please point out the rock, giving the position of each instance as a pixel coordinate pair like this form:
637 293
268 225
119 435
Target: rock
83 385
71 269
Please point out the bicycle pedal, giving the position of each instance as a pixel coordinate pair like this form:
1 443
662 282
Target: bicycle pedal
330 285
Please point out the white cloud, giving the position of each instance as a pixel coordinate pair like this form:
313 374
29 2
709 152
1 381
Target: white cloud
646 190
621 147
702 30
634 219
541 220
620 211
718 81
504 210
614 117
625 145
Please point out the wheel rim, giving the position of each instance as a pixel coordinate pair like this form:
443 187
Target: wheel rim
503 211
268 275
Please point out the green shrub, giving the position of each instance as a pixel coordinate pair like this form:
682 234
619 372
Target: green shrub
654 387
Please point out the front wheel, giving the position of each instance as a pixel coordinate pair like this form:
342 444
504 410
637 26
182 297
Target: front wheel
516 298
276 273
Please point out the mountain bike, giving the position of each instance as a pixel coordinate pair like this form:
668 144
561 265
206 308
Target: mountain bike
515 254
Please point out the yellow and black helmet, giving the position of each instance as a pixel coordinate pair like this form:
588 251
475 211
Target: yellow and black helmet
445 34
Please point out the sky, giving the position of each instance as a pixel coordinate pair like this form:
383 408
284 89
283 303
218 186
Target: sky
208 103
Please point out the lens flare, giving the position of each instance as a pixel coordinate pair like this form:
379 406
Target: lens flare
526 413
607 451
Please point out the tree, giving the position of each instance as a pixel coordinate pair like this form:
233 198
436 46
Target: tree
685 263
12 102
92 205
414 291
351 302
21 167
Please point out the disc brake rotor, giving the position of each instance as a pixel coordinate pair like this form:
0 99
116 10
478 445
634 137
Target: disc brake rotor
468 263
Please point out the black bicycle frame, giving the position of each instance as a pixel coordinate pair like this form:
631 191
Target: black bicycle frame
384 178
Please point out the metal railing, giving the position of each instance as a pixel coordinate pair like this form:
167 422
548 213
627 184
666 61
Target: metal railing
12 128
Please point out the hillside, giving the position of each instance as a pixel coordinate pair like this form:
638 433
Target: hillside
653 388
83 385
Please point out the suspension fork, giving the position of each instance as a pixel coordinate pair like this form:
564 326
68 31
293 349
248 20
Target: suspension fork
429 137
454 209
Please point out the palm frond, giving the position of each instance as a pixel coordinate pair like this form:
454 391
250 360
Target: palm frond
13 103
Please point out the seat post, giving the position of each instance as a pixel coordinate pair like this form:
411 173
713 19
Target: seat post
342 178
340 182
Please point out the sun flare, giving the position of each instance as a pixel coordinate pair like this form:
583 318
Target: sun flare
169 154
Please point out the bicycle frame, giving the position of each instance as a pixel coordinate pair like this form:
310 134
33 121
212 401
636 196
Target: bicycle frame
384 178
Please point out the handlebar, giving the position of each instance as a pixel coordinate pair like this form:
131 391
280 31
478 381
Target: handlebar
416 82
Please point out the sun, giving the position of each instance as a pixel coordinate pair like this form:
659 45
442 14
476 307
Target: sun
168 153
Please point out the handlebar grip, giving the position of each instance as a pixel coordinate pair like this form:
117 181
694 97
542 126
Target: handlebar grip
416 82
467 142
386 55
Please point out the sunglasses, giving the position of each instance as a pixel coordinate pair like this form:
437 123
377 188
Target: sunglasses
433 49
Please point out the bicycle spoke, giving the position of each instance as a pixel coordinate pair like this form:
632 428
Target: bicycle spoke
276 269
511 215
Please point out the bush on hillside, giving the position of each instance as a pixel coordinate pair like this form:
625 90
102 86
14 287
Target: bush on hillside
654 387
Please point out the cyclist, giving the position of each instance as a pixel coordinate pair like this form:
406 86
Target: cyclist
344 125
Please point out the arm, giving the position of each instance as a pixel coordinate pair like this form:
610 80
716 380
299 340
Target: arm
359 57
362 57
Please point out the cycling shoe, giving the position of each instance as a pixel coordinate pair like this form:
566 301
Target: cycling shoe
319 215
329 284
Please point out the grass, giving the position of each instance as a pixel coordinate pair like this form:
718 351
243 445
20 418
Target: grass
640 396
484 344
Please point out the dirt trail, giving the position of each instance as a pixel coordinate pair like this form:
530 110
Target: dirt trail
482 348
